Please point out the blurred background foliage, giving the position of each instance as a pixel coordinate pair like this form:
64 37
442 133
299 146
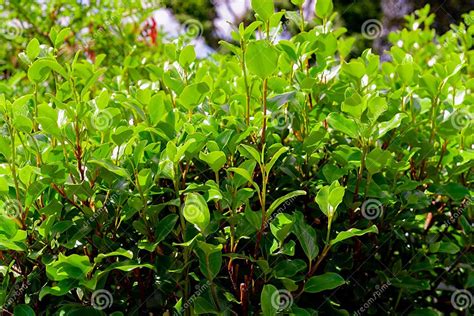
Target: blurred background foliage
111 25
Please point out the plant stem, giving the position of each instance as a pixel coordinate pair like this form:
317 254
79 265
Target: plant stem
264 127
247 90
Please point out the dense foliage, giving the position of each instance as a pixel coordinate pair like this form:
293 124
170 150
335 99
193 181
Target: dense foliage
277 178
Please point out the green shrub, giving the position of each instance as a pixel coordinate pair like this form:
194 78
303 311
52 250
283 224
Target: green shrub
279 178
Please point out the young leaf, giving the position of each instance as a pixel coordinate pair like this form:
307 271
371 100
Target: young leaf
261 58
324 282
282 199
269 296
33 49
281 225
306 236
196 211
187 56
269 166
329 198
342 124
324 8
352 233
210 259
216 159
264 8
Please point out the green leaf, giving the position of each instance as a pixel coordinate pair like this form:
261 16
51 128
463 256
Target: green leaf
210 259
216 159
196 211
281 225
342 124
269 166
59 289
261 58
430 83
103 99
264 8
23 123
193 94
355 69
187 56
250 153
33 49
204 305
246 175
385 127
69 267
329 198
23 310
444 247
110 167
165 227
119 252
306 236
41 68
354 104
59 40
324 282
376 107
282 199
8 228
156 108
376 160
405 71
352 233
298 3
268 297
324 8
